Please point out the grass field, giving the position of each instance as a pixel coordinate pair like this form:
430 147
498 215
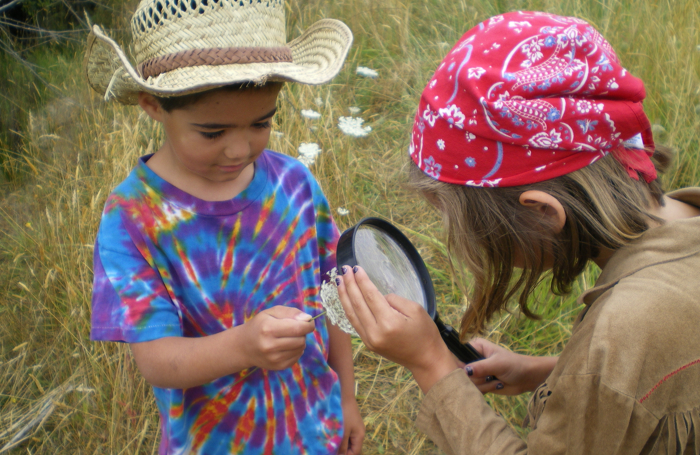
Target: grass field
61 393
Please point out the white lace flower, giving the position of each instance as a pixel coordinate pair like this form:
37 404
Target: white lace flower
334 309
354 110
309 149
308 153
310 114
352 126
342 211
278 134
318 101
367 72
307 161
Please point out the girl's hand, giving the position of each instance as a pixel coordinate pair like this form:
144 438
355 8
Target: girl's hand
276 338
516 373
395 328
354 428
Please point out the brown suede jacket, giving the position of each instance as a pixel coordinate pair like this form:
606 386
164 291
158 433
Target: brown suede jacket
627 382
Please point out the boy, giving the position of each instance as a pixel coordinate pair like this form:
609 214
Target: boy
210 254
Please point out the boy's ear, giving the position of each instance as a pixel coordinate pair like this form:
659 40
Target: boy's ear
547 205
151 105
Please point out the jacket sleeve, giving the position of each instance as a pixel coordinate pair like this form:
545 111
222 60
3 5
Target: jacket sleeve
581 416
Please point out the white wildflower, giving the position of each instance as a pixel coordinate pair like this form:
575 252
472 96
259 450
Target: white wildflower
354 110
310 114
367 72
318 101
352 126
309 149
278 134
342 211
334 309
308 153
307 161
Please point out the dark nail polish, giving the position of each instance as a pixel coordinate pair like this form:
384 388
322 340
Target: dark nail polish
470 371
354 269
337 281
488 378
344 270
499 386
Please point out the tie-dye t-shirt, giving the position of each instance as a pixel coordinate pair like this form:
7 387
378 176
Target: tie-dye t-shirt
169 264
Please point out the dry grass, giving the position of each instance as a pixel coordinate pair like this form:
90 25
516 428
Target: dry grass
61 393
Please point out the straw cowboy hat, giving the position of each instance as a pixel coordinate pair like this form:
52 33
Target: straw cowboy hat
188 46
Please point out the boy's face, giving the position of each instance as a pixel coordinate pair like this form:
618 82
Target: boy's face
214 142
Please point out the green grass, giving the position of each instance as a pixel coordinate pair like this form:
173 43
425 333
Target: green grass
89 398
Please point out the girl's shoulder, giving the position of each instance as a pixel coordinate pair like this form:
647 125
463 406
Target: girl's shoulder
642 325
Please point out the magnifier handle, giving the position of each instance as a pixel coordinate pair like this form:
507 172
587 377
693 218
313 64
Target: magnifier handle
463 351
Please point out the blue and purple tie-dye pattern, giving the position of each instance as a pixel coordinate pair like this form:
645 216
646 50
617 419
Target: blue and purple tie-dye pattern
169 264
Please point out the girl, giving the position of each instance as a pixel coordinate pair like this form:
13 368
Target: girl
532 143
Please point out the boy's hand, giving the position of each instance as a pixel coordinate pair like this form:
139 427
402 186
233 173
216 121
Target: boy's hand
354 428
276 338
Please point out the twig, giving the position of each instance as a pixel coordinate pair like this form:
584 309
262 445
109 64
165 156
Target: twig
10 5
77 16
28 65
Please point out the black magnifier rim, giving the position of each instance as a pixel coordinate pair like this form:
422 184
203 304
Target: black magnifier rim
345 255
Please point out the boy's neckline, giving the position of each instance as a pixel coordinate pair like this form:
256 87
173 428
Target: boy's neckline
192 203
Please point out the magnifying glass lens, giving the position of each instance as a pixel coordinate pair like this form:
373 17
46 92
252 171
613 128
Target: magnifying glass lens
387 264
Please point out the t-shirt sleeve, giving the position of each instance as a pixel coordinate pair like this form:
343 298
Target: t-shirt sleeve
326 231
130 302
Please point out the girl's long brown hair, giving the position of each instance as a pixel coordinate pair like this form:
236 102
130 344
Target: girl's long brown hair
485 227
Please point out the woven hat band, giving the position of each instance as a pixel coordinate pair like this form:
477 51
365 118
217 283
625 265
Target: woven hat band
214 57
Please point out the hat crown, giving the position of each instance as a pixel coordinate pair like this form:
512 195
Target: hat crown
164 27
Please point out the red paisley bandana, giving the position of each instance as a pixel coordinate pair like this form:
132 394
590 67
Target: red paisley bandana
526 97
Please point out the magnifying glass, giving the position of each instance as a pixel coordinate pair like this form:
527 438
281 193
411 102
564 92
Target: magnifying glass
395 267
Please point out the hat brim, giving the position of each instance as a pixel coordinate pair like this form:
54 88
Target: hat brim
318 55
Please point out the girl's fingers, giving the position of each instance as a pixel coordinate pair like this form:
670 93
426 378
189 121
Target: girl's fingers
491 387
358 287
348 294
375 300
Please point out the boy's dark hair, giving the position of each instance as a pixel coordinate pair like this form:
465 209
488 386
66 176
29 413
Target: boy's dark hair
171 103
604 207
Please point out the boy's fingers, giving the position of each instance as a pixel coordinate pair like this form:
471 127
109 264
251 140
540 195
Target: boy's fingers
342 450
286 312
287 327
355 443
